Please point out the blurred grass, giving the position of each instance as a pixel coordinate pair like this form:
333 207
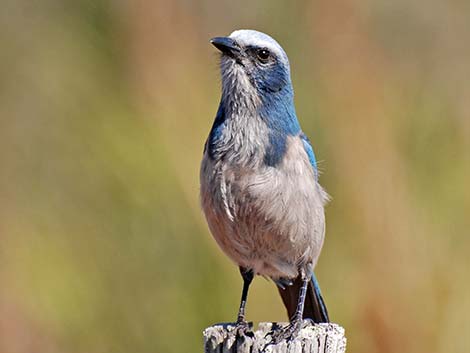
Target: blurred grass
104 109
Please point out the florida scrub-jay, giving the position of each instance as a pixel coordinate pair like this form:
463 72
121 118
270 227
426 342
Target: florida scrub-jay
259 179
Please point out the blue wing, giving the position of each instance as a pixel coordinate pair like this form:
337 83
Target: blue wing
310 153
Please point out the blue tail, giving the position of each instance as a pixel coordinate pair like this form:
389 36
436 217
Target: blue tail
314 308
318 300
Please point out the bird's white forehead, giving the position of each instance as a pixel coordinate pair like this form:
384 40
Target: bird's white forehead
249 37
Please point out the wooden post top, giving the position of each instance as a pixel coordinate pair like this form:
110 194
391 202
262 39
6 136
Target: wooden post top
312 338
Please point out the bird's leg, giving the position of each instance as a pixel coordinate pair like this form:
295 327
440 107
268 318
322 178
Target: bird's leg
300 304
247 275
247 278
296 321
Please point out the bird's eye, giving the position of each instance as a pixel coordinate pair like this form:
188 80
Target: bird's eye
263 54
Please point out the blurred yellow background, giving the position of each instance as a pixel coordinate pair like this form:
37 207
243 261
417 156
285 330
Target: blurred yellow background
104 110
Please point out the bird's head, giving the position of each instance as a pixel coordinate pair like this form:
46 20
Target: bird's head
253 65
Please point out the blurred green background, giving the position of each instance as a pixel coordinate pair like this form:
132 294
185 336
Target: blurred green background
104 110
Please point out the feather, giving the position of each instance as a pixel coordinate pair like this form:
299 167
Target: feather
314 308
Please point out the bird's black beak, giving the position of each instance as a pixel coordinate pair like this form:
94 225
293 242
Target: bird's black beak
226 45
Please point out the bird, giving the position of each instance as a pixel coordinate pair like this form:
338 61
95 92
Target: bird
259 179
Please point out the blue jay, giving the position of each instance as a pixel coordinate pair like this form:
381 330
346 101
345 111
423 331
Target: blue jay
259 179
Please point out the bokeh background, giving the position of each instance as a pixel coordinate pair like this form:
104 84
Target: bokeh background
104 110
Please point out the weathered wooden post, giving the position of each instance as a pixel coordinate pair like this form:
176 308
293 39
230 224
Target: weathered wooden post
312 338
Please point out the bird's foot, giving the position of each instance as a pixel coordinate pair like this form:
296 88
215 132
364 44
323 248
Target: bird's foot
287 333
243 328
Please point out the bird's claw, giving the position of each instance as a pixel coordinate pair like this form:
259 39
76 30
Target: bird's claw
287 333
243 328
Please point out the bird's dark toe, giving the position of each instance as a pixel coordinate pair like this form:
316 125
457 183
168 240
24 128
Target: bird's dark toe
287 333
243 328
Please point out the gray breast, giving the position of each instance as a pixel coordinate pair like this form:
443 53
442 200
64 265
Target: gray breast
264 218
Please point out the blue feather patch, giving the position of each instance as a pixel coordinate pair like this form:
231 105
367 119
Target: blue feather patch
278 112
216 131
310 153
